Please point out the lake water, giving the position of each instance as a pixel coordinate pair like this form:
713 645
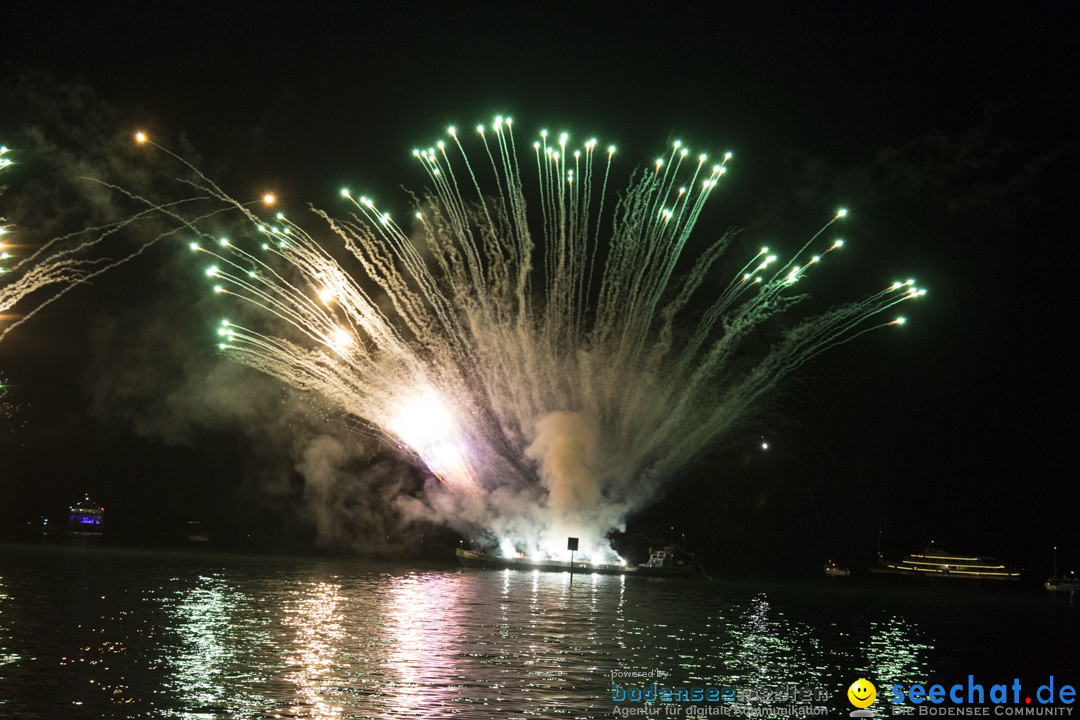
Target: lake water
97 632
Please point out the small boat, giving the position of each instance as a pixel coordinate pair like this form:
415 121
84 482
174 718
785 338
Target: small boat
936 563
86 517
1066 583
668 561
833 570
1061 583
197 532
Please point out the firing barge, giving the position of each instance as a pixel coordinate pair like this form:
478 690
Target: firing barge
663 562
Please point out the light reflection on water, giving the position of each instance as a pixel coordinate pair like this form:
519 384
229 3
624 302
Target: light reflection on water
6 656
315 651
129 635
218 651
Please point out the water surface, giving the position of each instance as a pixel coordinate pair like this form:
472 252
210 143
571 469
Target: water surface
96 632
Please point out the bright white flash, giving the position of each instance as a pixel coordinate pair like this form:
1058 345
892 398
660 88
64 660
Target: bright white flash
425 423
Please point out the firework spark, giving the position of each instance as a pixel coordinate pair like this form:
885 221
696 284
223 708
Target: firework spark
29 284
530 348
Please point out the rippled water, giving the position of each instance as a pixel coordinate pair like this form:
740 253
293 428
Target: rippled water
91 632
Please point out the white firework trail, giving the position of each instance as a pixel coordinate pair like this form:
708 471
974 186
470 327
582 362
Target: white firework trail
530 348
31 283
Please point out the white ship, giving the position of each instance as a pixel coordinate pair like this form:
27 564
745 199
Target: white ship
933 562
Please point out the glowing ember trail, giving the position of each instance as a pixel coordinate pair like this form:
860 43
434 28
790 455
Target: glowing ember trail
529 347
29 284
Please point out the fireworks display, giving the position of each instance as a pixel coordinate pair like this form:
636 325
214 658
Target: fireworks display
547 347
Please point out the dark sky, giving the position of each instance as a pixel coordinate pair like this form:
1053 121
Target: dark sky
945 128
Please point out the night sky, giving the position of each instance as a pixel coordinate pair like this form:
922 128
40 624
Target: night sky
946 129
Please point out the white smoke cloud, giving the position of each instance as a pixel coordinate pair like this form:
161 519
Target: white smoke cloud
566 453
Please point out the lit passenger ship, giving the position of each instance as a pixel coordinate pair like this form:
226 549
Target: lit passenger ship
86 517
932 562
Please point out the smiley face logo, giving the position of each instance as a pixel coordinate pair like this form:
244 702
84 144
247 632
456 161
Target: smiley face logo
862 692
